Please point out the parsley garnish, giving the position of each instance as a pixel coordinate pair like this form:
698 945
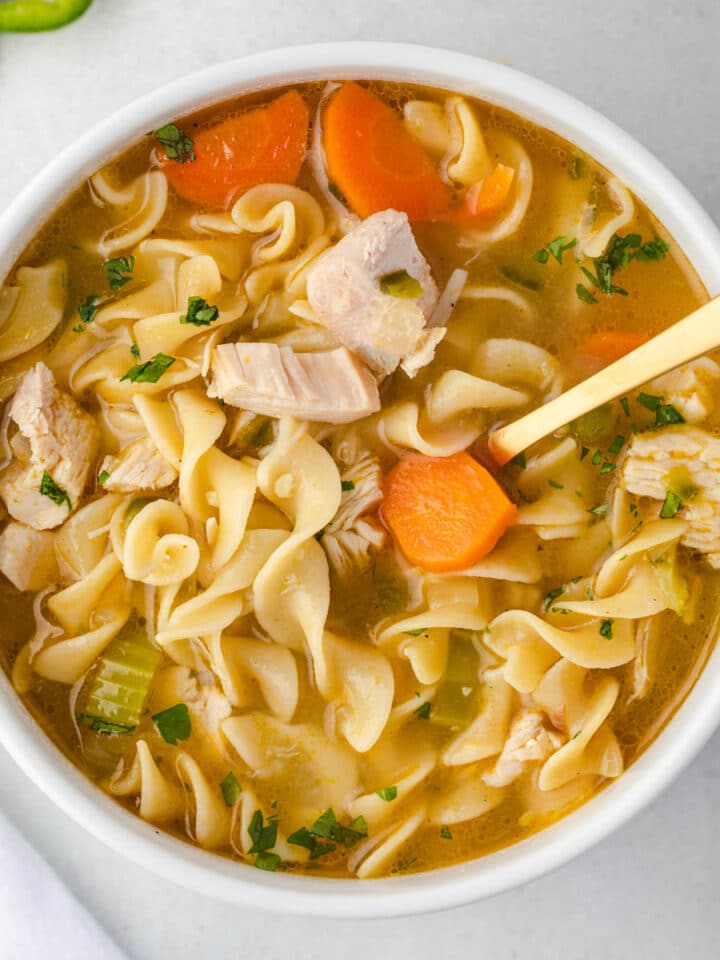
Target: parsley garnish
423 711
387 793
135 350
174 723
625 405
671 505
267 861
556 248
231 789
445 833
607 467
414 633
105 726
327 828
584 451
79 328
50 489
606 629
519 461
597 458
176 144
263 836
103 477
552 595
336 192
150 371
399 283
665 413
347 485
600 510
199 312
88 308
554 483
119 271
617 444
576 579
620 251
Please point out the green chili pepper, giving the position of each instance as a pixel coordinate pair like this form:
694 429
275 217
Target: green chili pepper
31 16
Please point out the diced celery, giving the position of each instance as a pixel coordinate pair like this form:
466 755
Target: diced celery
680 482
119 689
593 426
672 583
454 702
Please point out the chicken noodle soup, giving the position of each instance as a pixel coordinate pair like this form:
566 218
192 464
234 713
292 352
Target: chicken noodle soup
261 582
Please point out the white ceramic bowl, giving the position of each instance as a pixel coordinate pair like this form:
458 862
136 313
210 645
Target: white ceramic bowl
693 723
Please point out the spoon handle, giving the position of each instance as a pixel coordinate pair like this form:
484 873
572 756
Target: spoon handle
685 340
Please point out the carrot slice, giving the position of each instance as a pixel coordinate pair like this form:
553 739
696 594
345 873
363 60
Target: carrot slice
488 198
375 162
610 345
263 145
445 513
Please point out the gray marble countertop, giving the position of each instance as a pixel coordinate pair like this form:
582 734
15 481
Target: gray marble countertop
650 890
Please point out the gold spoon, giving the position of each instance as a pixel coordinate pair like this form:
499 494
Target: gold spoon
683 341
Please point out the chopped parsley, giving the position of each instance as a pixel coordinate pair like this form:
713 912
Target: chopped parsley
423 711
267 861
445 833
79 328
150 371
589 593
399 283
231 789
618 254
135 350
177 145
50 489
555 248
671 505
119 271
584 451
103 477
607 467
606 628
519 461
617 444
326 828
665 413
387 793
576 579
556 485
597 458
347 485
415 633
263 836
105 726
199 312
600 510
625 405
174 723
88 308
336 192
553 595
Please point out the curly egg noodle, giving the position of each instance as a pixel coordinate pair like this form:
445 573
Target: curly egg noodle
279 682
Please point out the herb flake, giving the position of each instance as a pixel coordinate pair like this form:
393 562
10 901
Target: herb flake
199 312
177 145
174 723
119 271
231 789
49 488
388 794
150 371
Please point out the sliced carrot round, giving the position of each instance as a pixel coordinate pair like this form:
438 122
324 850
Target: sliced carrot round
375 161
445 513
610 345
264 145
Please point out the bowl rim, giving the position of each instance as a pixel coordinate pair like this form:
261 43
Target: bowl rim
688 729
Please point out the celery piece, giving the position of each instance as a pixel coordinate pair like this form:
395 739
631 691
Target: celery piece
31 16
119 689
593 426
672 583
455 700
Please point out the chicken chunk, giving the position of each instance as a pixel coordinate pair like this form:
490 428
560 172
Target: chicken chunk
685 460
331 387
352 534
690 388
529 740
140 466
55 447
345 288
27 557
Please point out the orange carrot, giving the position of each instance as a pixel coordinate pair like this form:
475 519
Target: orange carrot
445 513
375 162
610 345
488 198
263 145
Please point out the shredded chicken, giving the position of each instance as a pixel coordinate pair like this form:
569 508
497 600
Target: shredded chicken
330 387
55 437
680 456
345 289
350 535
140 466
529 740
27 557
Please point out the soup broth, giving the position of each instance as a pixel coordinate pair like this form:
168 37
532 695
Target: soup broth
262 582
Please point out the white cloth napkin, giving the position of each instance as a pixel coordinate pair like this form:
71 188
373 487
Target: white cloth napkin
39 918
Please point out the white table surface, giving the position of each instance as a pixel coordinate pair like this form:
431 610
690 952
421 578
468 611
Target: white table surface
651 65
